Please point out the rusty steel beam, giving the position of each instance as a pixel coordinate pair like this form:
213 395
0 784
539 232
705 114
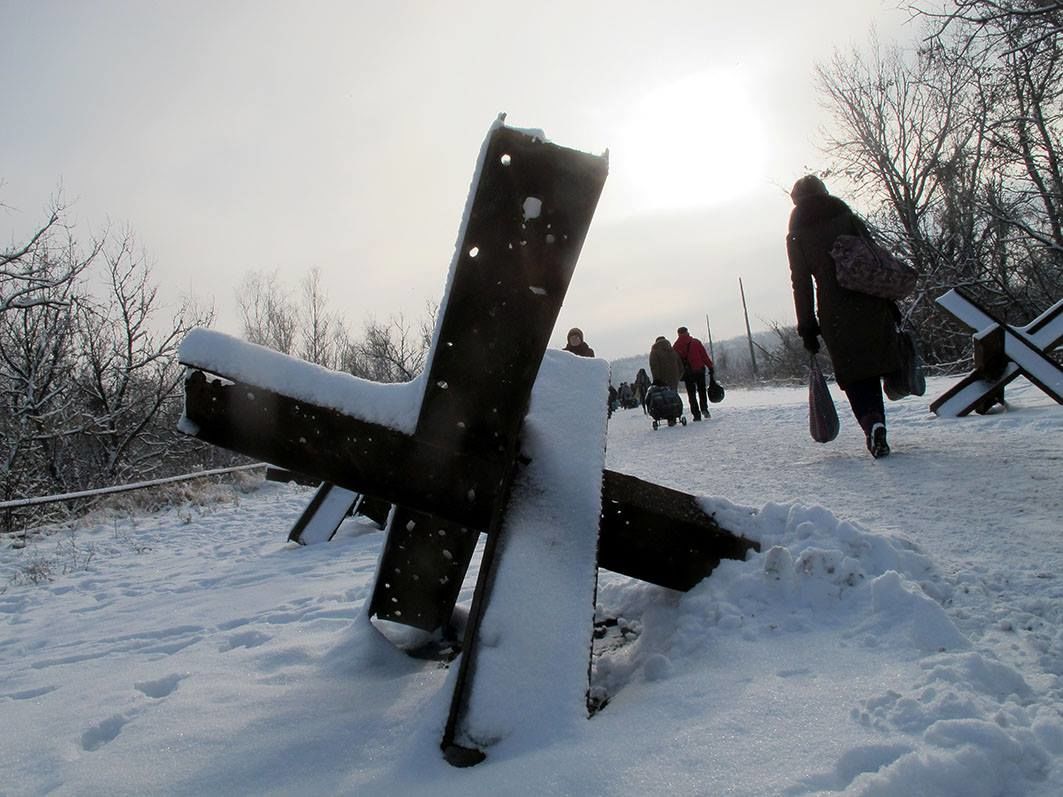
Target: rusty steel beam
660 535
333 447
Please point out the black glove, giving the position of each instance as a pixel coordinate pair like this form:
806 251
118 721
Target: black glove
712 372
809 332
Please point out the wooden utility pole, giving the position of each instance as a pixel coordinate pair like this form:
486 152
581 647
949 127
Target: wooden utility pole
749 334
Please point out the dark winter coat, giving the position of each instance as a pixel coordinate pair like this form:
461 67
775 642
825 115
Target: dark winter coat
693 351
642 384
581 349
859 330
665 364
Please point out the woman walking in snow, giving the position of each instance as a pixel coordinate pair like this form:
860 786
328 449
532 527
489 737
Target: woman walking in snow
860 330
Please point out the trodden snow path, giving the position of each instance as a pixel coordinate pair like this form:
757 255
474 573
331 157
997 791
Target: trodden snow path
900 633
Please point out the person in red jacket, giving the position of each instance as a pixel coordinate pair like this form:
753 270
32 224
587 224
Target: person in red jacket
695 362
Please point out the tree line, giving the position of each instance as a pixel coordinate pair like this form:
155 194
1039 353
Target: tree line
302 324
89 381
90 387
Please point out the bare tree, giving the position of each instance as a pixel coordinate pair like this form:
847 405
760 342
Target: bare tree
1030 133
89 382
956 150
40 300
36 400
388 351
909 137
1016 52
321 332
268 313
394 351
1008 24
787 360
128 368
39 270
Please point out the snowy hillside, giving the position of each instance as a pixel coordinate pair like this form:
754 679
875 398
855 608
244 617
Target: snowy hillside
901 633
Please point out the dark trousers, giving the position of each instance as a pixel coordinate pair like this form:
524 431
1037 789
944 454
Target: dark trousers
865 397
699 400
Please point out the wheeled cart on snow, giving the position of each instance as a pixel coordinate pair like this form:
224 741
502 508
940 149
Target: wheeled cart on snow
664 404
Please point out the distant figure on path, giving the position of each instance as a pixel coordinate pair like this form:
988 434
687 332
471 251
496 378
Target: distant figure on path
695 362
576 343
860 330
642 384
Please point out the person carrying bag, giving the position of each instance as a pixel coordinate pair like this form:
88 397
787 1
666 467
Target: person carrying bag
696 362
859 329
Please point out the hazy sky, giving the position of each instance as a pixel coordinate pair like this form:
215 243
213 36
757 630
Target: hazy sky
239 136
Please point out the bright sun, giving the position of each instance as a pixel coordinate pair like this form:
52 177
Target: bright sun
692 143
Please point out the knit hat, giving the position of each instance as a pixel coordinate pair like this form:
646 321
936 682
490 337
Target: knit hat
807 186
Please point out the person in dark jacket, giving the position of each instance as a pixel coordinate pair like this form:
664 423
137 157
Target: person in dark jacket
860 331
665 368
642 384
696 361
577 345
665 365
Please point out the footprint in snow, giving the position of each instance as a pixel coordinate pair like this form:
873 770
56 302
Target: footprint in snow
28 694
103 732
161 687
244 639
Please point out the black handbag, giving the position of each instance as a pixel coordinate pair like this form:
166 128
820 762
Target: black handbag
823 422
909 379
688 372
715 390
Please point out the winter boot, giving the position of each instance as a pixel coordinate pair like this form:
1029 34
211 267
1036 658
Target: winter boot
876 441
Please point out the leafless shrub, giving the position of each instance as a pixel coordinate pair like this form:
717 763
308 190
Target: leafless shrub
38 567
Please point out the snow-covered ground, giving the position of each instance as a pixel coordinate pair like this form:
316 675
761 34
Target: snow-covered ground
901 633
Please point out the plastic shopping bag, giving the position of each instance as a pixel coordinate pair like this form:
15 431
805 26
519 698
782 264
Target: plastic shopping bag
822 415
